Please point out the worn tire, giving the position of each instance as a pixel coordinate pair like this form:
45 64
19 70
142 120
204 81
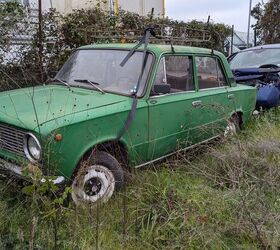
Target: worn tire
97 179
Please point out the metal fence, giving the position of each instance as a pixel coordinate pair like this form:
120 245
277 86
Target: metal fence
22 45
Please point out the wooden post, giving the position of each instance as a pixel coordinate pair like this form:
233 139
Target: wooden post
232 35
255 36
40 39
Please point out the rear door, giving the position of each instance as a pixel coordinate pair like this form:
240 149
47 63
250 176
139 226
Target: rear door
216 101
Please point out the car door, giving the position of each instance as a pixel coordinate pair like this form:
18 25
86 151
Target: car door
215 100
171 114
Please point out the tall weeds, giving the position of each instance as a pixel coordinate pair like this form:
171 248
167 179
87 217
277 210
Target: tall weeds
222 195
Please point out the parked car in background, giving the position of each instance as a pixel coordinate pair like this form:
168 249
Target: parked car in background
71 129
260 67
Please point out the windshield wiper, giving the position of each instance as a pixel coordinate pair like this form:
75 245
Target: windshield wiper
62 81
93 84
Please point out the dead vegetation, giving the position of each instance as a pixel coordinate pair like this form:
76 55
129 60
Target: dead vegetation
221 195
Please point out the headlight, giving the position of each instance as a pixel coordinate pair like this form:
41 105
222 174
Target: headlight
32 148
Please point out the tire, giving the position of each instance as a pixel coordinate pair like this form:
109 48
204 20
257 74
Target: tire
97 179
233 126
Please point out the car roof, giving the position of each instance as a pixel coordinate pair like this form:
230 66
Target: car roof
156 48
266 46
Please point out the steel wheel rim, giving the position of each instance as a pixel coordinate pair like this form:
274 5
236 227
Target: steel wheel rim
96 184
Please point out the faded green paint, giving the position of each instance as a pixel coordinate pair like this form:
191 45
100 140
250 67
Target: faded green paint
86 118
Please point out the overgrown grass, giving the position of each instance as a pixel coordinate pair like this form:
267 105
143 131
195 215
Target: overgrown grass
222 196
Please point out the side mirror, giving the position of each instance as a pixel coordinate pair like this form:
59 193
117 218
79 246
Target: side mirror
161 89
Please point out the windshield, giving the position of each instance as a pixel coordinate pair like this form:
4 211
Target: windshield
256 58
101 68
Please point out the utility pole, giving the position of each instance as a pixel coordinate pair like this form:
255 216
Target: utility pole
249 24
163 8
117 7
142 4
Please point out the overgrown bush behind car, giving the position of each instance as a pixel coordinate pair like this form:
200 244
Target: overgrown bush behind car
50 48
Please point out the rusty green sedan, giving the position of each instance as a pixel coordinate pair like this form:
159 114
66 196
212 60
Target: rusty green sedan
101 116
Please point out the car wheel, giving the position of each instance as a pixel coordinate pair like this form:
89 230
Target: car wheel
233 126
97 179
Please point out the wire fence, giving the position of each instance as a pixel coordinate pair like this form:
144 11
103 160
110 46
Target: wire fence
23 45
35 42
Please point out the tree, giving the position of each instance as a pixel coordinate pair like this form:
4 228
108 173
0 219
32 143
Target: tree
268 21
257 13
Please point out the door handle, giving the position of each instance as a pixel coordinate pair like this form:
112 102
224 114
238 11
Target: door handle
197 104
153 101
231 96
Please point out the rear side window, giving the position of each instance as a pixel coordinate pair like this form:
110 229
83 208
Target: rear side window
176 71
209 72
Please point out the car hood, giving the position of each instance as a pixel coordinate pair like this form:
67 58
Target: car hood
29 108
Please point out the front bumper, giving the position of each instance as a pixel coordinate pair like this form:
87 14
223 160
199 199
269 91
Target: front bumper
8 169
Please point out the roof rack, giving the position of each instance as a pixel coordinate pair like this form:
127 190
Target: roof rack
165 35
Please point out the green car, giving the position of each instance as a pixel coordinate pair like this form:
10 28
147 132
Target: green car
93 122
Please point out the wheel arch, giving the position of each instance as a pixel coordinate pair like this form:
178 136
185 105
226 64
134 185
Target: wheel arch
117 149
239 113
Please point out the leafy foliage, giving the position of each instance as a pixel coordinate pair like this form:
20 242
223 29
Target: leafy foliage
62 34
268 21
78 27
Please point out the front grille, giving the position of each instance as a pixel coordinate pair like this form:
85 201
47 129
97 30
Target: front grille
12 139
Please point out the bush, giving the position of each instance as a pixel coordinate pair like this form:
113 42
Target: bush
61 34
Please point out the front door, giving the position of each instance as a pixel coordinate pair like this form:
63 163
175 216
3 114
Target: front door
171 115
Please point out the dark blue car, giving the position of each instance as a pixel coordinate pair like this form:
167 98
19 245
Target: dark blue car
260 67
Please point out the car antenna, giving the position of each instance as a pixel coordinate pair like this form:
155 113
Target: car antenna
144 40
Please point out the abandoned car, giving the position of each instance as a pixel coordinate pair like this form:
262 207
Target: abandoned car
103 113
260 67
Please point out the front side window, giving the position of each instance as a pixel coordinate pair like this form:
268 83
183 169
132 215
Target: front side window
209 72
177 72
102 67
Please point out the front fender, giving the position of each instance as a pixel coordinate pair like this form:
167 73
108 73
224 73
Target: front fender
63 156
